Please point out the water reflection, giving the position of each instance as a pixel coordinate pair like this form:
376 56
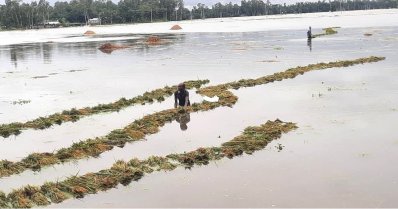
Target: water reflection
183 119
309 43
21 53
49 51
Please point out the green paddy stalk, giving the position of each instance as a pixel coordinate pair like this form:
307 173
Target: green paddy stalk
251 140
327 31
150 124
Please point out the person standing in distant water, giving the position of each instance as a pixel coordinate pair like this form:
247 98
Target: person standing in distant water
309 38
181 96
309 33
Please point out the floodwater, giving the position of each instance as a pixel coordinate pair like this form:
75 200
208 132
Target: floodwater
342 155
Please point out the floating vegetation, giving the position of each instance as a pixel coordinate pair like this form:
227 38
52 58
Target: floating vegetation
240 49
150 124
318 95
269 61
251 140
27 197
279 147
40 76
3 200
20 102
74 114
73 71
278 48
326 31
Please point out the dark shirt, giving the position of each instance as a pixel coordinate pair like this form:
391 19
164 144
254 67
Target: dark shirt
180 97
309 34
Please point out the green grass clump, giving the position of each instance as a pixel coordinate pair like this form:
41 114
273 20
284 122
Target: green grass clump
51 191
326 31
28 197
4 202
7 130
8 168
330 31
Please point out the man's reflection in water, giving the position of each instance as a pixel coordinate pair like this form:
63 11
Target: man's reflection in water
183 119
309 43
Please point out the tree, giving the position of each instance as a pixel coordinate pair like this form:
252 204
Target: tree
15 14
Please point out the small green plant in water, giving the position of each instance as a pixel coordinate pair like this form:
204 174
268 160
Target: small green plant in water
326 31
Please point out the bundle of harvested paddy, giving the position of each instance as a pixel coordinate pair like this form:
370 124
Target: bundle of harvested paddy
51 191
3 200
28 197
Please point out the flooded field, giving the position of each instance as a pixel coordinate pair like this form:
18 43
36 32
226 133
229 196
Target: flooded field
341 155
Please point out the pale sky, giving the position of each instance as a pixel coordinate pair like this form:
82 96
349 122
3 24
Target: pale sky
195 2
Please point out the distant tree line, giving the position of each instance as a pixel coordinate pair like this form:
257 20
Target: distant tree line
15 14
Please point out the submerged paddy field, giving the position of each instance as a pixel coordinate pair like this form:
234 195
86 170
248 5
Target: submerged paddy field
76 122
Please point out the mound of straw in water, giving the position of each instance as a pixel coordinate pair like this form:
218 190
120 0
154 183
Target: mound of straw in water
89 33
176 27
153 40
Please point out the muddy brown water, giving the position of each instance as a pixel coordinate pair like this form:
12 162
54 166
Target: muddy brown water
342 155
